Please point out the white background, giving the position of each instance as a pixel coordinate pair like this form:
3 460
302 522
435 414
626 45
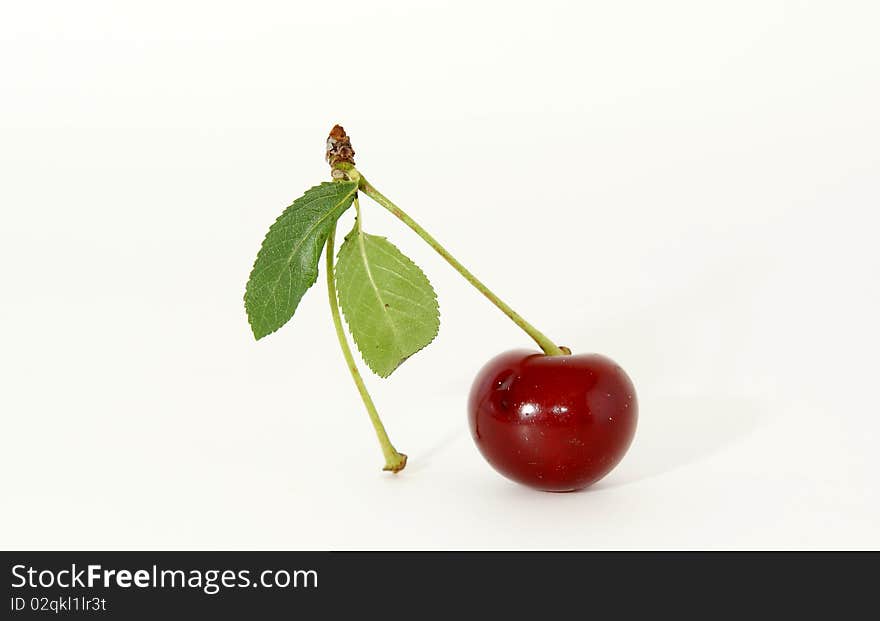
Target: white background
691 188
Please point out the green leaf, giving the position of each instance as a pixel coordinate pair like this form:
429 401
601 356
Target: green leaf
390 306
287 264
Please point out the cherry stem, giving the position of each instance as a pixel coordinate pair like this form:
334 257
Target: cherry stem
394 461
549 347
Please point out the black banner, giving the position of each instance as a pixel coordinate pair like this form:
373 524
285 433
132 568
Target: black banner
315 585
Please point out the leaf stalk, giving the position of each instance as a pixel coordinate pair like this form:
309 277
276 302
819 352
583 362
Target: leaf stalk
394 461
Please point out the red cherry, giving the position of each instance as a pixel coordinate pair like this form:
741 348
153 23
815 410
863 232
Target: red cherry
555 423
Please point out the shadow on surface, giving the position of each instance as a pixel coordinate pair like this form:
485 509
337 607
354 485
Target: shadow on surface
441 445
677 431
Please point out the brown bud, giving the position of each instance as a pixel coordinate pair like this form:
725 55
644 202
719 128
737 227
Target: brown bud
339 147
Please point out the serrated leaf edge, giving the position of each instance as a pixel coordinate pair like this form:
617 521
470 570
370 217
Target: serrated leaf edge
434 299
313 275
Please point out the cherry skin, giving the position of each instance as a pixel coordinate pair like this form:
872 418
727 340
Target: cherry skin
555 423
